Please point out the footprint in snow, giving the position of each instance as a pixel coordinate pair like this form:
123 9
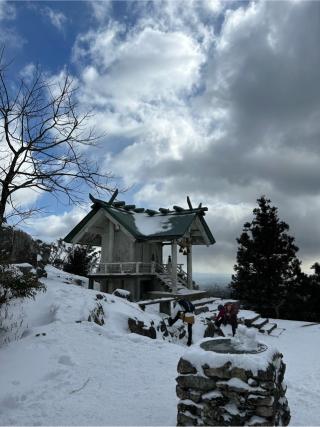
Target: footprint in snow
10 402
65 360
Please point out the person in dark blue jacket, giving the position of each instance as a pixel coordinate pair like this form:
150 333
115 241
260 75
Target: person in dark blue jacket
183 307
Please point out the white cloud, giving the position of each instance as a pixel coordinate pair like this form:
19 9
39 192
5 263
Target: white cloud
57 18
28 72
100 9
10 38
215 6
147 66
138 81
215 100
53 227
7 10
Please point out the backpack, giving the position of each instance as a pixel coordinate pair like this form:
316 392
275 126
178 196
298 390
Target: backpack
234 308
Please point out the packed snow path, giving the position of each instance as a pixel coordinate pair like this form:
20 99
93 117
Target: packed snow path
67 373
80 375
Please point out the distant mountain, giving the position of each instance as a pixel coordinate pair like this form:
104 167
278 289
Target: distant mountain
212 279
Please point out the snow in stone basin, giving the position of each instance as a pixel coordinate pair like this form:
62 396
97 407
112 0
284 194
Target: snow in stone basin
148 225
254 362
84 374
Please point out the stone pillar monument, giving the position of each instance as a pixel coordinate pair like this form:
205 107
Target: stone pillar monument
232 382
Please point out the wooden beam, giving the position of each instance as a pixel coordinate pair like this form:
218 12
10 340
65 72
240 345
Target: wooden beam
87 228
114 195
119 204
189 267
114 221
164 210
178 208
189 203
151 212
110 241
174 259
129 207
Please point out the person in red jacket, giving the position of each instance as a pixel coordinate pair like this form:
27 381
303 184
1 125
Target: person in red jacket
221 317
232 310
228 314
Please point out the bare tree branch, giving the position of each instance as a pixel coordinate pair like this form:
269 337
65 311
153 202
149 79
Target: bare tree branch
44 142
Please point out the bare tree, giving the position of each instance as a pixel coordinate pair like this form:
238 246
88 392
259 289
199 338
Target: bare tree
44 141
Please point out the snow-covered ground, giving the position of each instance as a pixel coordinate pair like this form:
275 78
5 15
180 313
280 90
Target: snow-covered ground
67 372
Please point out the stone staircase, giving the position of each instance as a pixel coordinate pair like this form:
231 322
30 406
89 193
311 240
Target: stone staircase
262 324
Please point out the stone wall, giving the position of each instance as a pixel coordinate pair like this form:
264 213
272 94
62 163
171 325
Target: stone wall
215 391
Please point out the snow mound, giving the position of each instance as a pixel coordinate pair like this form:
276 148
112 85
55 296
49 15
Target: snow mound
69 371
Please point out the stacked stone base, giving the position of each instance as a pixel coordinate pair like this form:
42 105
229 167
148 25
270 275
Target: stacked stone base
231 396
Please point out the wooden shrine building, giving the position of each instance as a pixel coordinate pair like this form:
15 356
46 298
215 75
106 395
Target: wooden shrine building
132 241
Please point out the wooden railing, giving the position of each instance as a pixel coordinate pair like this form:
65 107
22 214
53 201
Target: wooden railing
182 275
167 268
123 268
114 268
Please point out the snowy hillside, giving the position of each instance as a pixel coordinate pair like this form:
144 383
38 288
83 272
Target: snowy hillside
68 371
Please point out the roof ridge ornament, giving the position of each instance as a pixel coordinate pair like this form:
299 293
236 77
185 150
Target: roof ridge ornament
119 204
129 207
151 212
173 225
164 211
93 200
178 208
189 203
114 195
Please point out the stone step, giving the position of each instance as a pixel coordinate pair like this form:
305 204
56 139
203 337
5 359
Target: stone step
268 328
248 322
208 301
259 323
277 332
201 309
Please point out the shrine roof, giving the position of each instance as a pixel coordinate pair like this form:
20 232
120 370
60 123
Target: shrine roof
147 224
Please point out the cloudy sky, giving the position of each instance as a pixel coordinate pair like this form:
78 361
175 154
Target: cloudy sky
216 100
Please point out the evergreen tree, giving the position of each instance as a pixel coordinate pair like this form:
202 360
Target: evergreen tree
60 252
267 268
15 284
80 259
316 268
314 294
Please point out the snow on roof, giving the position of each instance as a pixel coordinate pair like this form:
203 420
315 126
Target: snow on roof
150 225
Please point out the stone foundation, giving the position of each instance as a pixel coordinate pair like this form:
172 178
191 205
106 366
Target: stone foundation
231 389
